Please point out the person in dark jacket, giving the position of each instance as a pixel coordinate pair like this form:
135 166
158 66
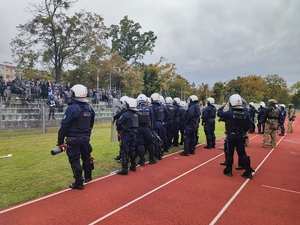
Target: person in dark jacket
209 123
75 131
237 122
282 119
260 118
191 123
128 124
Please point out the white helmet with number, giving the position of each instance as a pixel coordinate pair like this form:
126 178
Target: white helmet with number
211 100
79 93
193 98
142 99
169 101
177 101
155 97
235 101
123 99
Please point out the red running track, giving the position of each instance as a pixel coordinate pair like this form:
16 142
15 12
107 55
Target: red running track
182 190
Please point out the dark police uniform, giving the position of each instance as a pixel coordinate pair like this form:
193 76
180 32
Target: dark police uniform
191 123
208 121
144 136
237 124
128 125
160 117
282 120
260 120
76 127
176 124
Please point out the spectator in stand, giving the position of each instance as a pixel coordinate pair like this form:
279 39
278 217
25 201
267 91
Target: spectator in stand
59 104
49 93
52 105
7 96
96 97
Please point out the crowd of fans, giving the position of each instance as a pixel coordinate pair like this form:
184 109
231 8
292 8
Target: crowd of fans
38 90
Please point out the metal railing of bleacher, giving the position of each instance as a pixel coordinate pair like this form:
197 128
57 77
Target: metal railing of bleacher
20 115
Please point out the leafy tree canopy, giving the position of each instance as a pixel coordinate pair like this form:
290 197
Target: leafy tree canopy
127 39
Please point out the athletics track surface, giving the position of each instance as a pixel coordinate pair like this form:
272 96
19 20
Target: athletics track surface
182 190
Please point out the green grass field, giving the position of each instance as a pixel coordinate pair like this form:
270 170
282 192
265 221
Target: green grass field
32 171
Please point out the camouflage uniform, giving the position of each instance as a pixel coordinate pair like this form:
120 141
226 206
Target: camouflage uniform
291 117
271 119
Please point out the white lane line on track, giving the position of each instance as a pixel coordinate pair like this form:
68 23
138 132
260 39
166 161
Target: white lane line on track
242 186
48 196
63 191
152 191
281 189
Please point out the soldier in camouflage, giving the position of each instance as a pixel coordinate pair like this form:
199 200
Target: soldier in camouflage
271 120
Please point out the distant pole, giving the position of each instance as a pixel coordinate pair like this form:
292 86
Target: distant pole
110 81
98 78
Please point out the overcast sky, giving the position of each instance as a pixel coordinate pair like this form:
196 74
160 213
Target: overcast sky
208 40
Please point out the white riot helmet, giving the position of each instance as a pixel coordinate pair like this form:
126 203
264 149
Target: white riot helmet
262 104
211 100
177 101
182 104
155 97
169 100
282 106
142 99
235 101
192 98
131 104
79 93
162 100
252 104
123 99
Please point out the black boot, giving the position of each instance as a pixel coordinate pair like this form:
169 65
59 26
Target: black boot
124 170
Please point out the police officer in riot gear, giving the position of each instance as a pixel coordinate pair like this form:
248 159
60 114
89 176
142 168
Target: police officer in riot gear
160 117
271 120
128 125
191 123
252 112
120 110
182 111
170 121
237 121
260 118
282 119
144 136
208 121
75 130
176 121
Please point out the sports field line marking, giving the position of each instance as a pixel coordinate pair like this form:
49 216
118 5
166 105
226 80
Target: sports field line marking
69 189
152 191
48 196
241 187
281 189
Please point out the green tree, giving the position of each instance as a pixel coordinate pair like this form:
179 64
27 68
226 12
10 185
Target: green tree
54 39
129 42
157 77
218 92
276 88
252 88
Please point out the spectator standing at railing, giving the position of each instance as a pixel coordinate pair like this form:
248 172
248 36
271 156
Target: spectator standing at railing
7 96
59 104
44 89
52 105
